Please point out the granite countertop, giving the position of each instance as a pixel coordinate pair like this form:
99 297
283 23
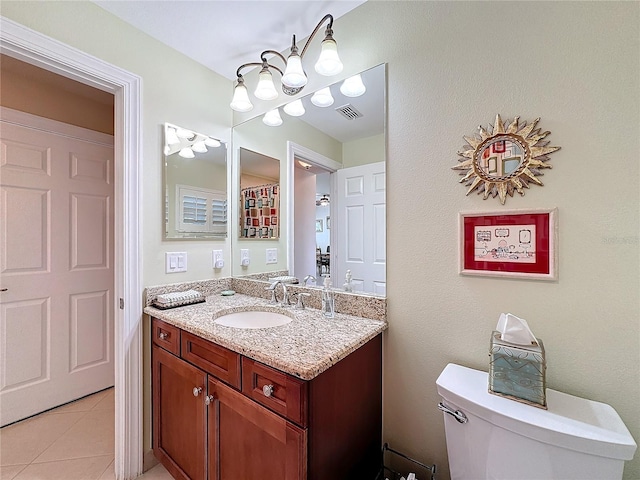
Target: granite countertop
305 347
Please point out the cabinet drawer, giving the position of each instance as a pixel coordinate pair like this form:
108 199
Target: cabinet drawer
282 393
214 359
165 336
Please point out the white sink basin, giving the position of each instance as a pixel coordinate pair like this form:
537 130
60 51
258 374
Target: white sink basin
253 320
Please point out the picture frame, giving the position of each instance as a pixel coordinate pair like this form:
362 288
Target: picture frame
328 223
510 243
319 228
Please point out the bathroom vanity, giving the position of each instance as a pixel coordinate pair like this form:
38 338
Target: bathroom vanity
298 401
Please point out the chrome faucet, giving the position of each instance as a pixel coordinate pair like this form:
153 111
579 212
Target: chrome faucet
285 294
307 278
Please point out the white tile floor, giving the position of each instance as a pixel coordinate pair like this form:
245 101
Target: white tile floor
72 442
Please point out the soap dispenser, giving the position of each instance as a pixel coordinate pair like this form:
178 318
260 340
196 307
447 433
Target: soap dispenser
327 299
348 287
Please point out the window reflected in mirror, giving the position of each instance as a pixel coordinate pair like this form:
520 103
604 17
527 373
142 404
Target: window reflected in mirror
195 184
259 195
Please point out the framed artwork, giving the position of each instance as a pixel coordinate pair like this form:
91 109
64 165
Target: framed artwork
319 225
515 243
328 223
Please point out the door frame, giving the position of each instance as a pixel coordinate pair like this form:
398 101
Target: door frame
32 47
294 151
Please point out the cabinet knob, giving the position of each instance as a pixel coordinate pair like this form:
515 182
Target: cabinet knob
197 391
267 390
209 399
163 335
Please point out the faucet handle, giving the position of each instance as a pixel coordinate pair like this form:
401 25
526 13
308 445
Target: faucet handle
273 294
300 305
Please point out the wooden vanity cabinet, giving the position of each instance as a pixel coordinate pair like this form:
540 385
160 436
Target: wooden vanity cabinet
251 421
179 417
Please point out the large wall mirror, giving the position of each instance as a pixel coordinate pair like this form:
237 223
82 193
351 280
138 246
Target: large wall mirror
332 183
195 185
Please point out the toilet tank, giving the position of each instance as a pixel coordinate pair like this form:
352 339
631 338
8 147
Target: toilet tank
574 439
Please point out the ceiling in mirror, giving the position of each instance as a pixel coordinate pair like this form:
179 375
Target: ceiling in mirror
195 185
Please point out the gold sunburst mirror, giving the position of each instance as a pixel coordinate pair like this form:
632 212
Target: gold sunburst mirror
502 161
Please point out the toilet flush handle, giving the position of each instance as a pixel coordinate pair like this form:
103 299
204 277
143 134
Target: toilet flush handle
457 414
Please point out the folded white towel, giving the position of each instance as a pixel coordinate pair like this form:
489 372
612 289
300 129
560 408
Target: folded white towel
178 296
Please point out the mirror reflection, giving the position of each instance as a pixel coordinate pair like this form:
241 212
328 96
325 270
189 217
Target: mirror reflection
332 184
500 157
195 182
259 195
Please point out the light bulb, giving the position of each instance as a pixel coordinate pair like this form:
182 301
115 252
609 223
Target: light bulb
329 62
322 98
184 133
167 150
186 153
295 108
199 147
172 138
353 86
240 101
265 90
212 142
272 118
294 75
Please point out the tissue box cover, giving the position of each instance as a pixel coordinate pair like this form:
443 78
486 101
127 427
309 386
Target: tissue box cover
518 371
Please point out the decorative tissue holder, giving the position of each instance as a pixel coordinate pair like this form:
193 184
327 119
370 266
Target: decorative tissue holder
518 371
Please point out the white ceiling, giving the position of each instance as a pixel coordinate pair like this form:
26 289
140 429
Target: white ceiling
224 34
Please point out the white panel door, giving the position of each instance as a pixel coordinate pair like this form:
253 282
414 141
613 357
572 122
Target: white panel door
360 222
56 264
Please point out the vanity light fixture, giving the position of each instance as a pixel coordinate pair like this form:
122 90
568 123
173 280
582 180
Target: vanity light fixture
272 118
304 165
294 77
295 108
322 98
353 86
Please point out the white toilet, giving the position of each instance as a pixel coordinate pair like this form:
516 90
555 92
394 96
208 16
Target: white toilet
491 437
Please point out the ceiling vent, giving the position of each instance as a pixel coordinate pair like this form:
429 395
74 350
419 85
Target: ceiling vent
349 112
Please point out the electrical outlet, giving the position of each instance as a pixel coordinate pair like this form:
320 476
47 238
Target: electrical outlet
272 255
244 257
218 260
176 262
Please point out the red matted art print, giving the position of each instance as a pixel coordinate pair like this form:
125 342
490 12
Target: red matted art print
514 243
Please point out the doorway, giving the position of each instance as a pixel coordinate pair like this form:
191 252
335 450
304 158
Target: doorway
303 167
34 48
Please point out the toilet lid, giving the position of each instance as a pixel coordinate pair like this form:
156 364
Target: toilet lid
569 422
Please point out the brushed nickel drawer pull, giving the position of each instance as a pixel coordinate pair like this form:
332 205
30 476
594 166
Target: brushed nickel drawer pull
267 390
163 335
197 391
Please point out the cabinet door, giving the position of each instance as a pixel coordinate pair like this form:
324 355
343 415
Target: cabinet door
249 442
179 416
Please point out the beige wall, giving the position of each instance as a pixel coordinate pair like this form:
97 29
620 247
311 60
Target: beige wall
175 90
451 67
363 151
39 92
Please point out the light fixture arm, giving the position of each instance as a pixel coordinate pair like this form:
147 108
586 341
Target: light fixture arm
328 32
